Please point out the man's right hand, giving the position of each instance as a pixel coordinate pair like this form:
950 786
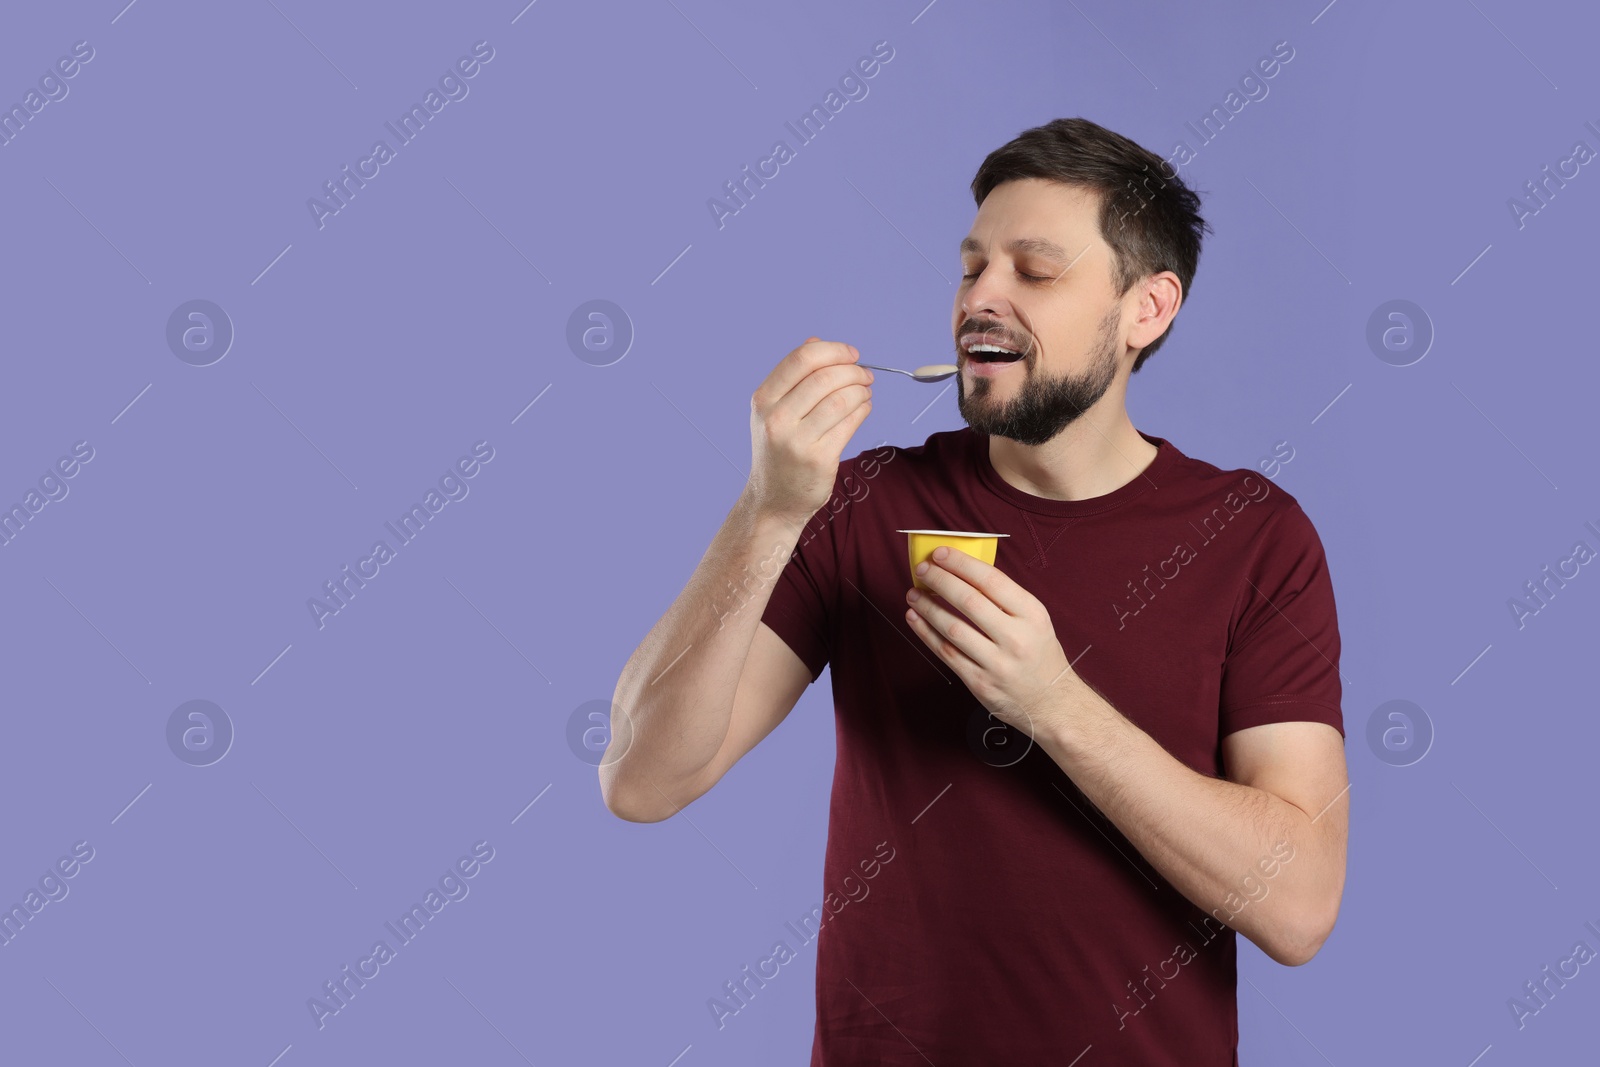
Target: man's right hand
801 417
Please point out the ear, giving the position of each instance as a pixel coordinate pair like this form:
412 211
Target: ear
1162 296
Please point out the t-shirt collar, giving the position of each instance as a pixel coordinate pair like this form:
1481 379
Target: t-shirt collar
1152 477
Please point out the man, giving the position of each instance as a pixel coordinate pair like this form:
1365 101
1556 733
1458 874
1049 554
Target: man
1095 760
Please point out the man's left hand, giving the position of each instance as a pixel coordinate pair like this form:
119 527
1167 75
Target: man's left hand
1004 648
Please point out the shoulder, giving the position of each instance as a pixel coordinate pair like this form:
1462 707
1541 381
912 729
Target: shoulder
939 452
1246 493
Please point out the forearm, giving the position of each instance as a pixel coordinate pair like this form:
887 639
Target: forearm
1251 859
676 692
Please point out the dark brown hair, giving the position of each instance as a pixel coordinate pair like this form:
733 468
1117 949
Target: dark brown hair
1148 216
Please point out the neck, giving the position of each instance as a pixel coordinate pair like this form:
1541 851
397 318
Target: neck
1093 456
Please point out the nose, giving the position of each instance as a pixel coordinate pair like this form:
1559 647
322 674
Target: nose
984 296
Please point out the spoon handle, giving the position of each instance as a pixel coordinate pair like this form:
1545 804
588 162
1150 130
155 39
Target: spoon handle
892 370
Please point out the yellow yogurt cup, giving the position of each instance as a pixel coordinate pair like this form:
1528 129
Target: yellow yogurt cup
921 543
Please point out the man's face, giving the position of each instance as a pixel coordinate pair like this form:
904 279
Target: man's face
1037 278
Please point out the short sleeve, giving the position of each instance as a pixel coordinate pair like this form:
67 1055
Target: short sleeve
804 597
1282 663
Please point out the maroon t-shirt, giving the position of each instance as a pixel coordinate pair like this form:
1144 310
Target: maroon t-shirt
978 908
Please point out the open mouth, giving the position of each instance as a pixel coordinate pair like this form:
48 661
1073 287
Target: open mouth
992 354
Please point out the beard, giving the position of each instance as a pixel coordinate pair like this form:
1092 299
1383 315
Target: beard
1043 407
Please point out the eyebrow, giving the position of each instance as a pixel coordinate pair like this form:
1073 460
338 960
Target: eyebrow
1035 245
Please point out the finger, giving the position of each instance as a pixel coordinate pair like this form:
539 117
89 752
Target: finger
953 657
816 389
836 436
954 592
820 402
797 366
832 410
996 586
814 398
962 634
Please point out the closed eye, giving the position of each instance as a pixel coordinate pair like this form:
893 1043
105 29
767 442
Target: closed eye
1029 277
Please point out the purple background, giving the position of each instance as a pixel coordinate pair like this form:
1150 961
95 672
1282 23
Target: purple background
430 311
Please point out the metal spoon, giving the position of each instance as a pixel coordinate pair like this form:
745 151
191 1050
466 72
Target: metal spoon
933 372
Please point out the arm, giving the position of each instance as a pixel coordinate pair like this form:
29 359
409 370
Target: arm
709 681
1264 852
1220 842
